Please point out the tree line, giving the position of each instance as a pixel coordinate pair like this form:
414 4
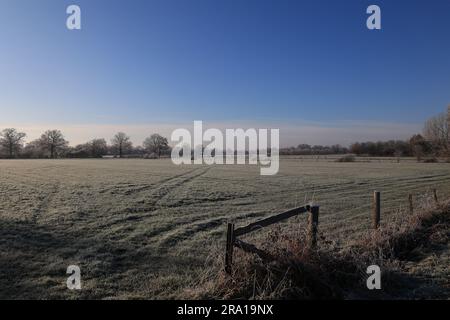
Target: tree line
306 149
52 144
434 141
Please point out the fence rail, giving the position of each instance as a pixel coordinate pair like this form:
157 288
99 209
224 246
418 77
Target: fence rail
313 222
233 233
270 220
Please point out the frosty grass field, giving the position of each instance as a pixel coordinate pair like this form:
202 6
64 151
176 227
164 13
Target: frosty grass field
144 228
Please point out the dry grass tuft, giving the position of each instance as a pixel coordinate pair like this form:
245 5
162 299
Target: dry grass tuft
329 272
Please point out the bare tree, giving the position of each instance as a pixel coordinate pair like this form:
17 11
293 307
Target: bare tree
33 149
156 143
12 141
448 131
121 143
53 141
419 146
448 118
92 149
98 147
436 132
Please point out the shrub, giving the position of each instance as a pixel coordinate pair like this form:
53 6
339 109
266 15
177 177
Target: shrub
348 158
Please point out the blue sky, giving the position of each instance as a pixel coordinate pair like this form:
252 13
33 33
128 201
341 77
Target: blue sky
145 62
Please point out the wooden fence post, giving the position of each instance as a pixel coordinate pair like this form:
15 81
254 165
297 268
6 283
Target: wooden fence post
435 196
411 206
313 226
376 213
229 248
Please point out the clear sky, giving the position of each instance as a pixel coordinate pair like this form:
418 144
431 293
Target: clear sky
144 62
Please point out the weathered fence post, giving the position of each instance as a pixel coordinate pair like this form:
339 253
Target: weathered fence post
435 196
313 224
411 206
376 213
229 248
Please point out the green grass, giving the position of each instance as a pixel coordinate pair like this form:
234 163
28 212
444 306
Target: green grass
144 228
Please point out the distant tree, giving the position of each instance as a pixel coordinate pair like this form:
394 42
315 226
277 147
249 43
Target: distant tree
337 149
402 148
448 133
98 147
303 149
121 143
156 143
436 132
381 148
139 151
356 148
11 141
53 141
419 146
33 149
79 151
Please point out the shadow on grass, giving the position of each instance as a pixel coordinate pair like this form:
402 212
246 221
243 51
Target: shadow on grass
34 259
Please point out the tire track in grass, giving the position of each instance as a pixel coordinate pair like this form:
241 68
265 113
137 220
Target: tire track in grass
45 203
406 185
125 186
166 190
186 232
162 191
198 226
163 187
